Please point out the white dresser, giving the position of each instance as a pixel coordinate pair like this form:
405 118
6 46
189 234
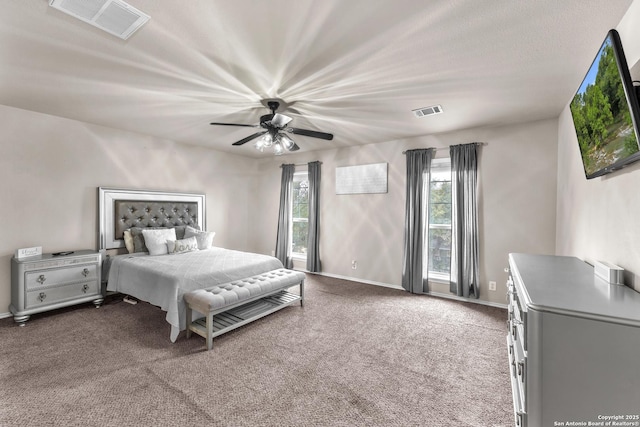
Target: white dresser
47 282
573 343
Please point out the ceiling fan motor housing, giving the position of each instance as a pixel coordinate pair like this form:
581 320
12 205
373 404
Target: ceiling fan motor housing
264 119
273 106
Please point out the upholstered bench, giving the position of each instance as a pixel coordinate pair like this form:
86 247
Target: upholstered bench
231 305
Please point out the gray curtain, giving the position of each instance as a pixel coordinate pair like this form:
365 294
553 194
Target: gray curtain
284 223
464 220
415 260
313 239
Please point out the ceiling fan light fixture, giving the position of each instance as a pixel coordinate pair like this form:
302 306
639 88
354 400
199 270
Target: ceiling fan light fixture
286 141
278 149
267 140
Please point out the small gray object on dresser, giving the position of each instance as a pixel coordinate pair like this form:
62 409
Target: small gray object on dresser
47 282
573 343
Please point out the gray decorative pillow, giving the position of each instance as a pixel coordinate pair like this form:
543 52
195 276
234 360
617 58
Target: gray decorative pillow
180 246
138 238
204 238
180 231
128 241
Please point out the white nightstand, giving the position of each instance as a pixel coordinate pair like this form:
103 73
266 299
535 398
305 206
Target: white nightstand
47 282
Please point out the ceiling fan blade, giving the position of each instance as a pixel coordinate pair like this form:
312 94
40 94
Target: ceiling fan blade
232 124
249 138
280 120
311 133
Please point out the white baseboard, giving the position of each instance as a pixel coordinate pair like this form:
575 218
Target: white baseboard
353 279
398 287
5 315
471 300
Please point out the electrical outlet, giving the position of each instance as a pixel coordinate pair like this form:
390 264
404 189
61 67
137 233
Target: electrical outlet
354 264
492 286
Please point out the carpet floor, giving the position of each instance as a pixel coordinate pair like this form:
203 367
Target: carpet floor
354 355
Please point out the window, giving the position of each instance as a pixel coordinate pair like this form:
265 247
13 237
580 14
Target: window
439 239
300 214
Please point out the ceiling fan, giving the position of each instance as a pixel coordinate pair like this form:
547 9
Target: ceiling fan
275 131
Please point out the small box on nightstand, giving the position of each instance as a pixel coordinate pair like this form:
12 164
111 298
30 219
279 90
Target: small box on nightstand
28 252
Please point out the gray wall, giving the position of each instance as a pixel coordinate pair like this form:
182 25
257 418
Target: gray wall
51 167
517 203
598 219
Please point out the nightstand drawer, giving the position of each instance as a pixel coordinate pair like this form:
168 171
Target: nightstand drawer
61 293
47 278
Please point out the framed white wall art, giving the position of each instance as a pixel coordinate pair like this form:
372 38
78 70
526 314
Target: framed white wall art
362 179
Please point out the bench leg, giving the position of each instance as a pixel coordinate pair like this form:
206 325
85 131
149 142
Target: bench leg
189 316
209 331
302 293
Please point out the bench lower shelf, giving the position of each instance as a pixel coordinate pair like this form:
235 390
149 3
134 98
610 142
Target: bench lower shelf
239 316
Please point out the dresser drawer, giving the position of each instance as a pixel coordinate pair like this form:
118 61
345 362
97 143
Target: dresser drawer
517 384
518 314
52 295
53 277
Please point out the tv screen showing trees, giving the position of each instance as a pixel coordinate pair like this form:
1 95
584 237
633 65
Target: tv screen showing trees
604 112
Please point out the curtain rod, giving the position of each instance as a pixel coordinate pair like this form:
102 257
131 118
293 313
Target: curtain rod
446 148
298 164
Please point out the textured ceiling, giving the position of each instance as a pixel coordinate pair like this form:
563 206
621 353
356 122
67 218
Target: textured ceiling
353 68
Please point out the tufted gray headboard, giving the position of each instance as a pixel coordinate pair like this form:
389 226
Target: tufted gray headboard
120 209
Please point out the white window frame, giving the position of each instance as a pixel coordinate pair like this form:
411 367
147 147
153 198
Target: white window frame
435 276
297 255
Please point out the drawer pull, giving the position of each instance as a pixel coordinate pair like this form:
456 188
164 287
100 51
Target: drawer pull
85 272
514 328
85 288
521 369
42 295
41 279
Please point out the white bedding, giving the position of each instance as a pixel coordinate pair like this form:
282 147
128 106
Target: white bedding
163 280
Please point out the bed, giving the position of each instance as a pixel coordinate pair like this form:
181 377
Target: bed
164 279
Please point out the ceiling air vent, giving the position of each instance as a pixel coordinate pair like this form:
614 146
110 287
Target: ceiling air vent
427 111
113 16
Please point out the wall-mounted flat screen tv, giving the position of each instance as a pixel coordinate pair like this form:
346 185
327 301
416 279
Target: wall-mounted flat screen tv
606 113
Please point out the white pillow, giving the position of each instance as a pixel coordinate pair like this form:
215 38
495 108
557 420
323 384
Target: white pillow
128 241
181 246
205 238
156 240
